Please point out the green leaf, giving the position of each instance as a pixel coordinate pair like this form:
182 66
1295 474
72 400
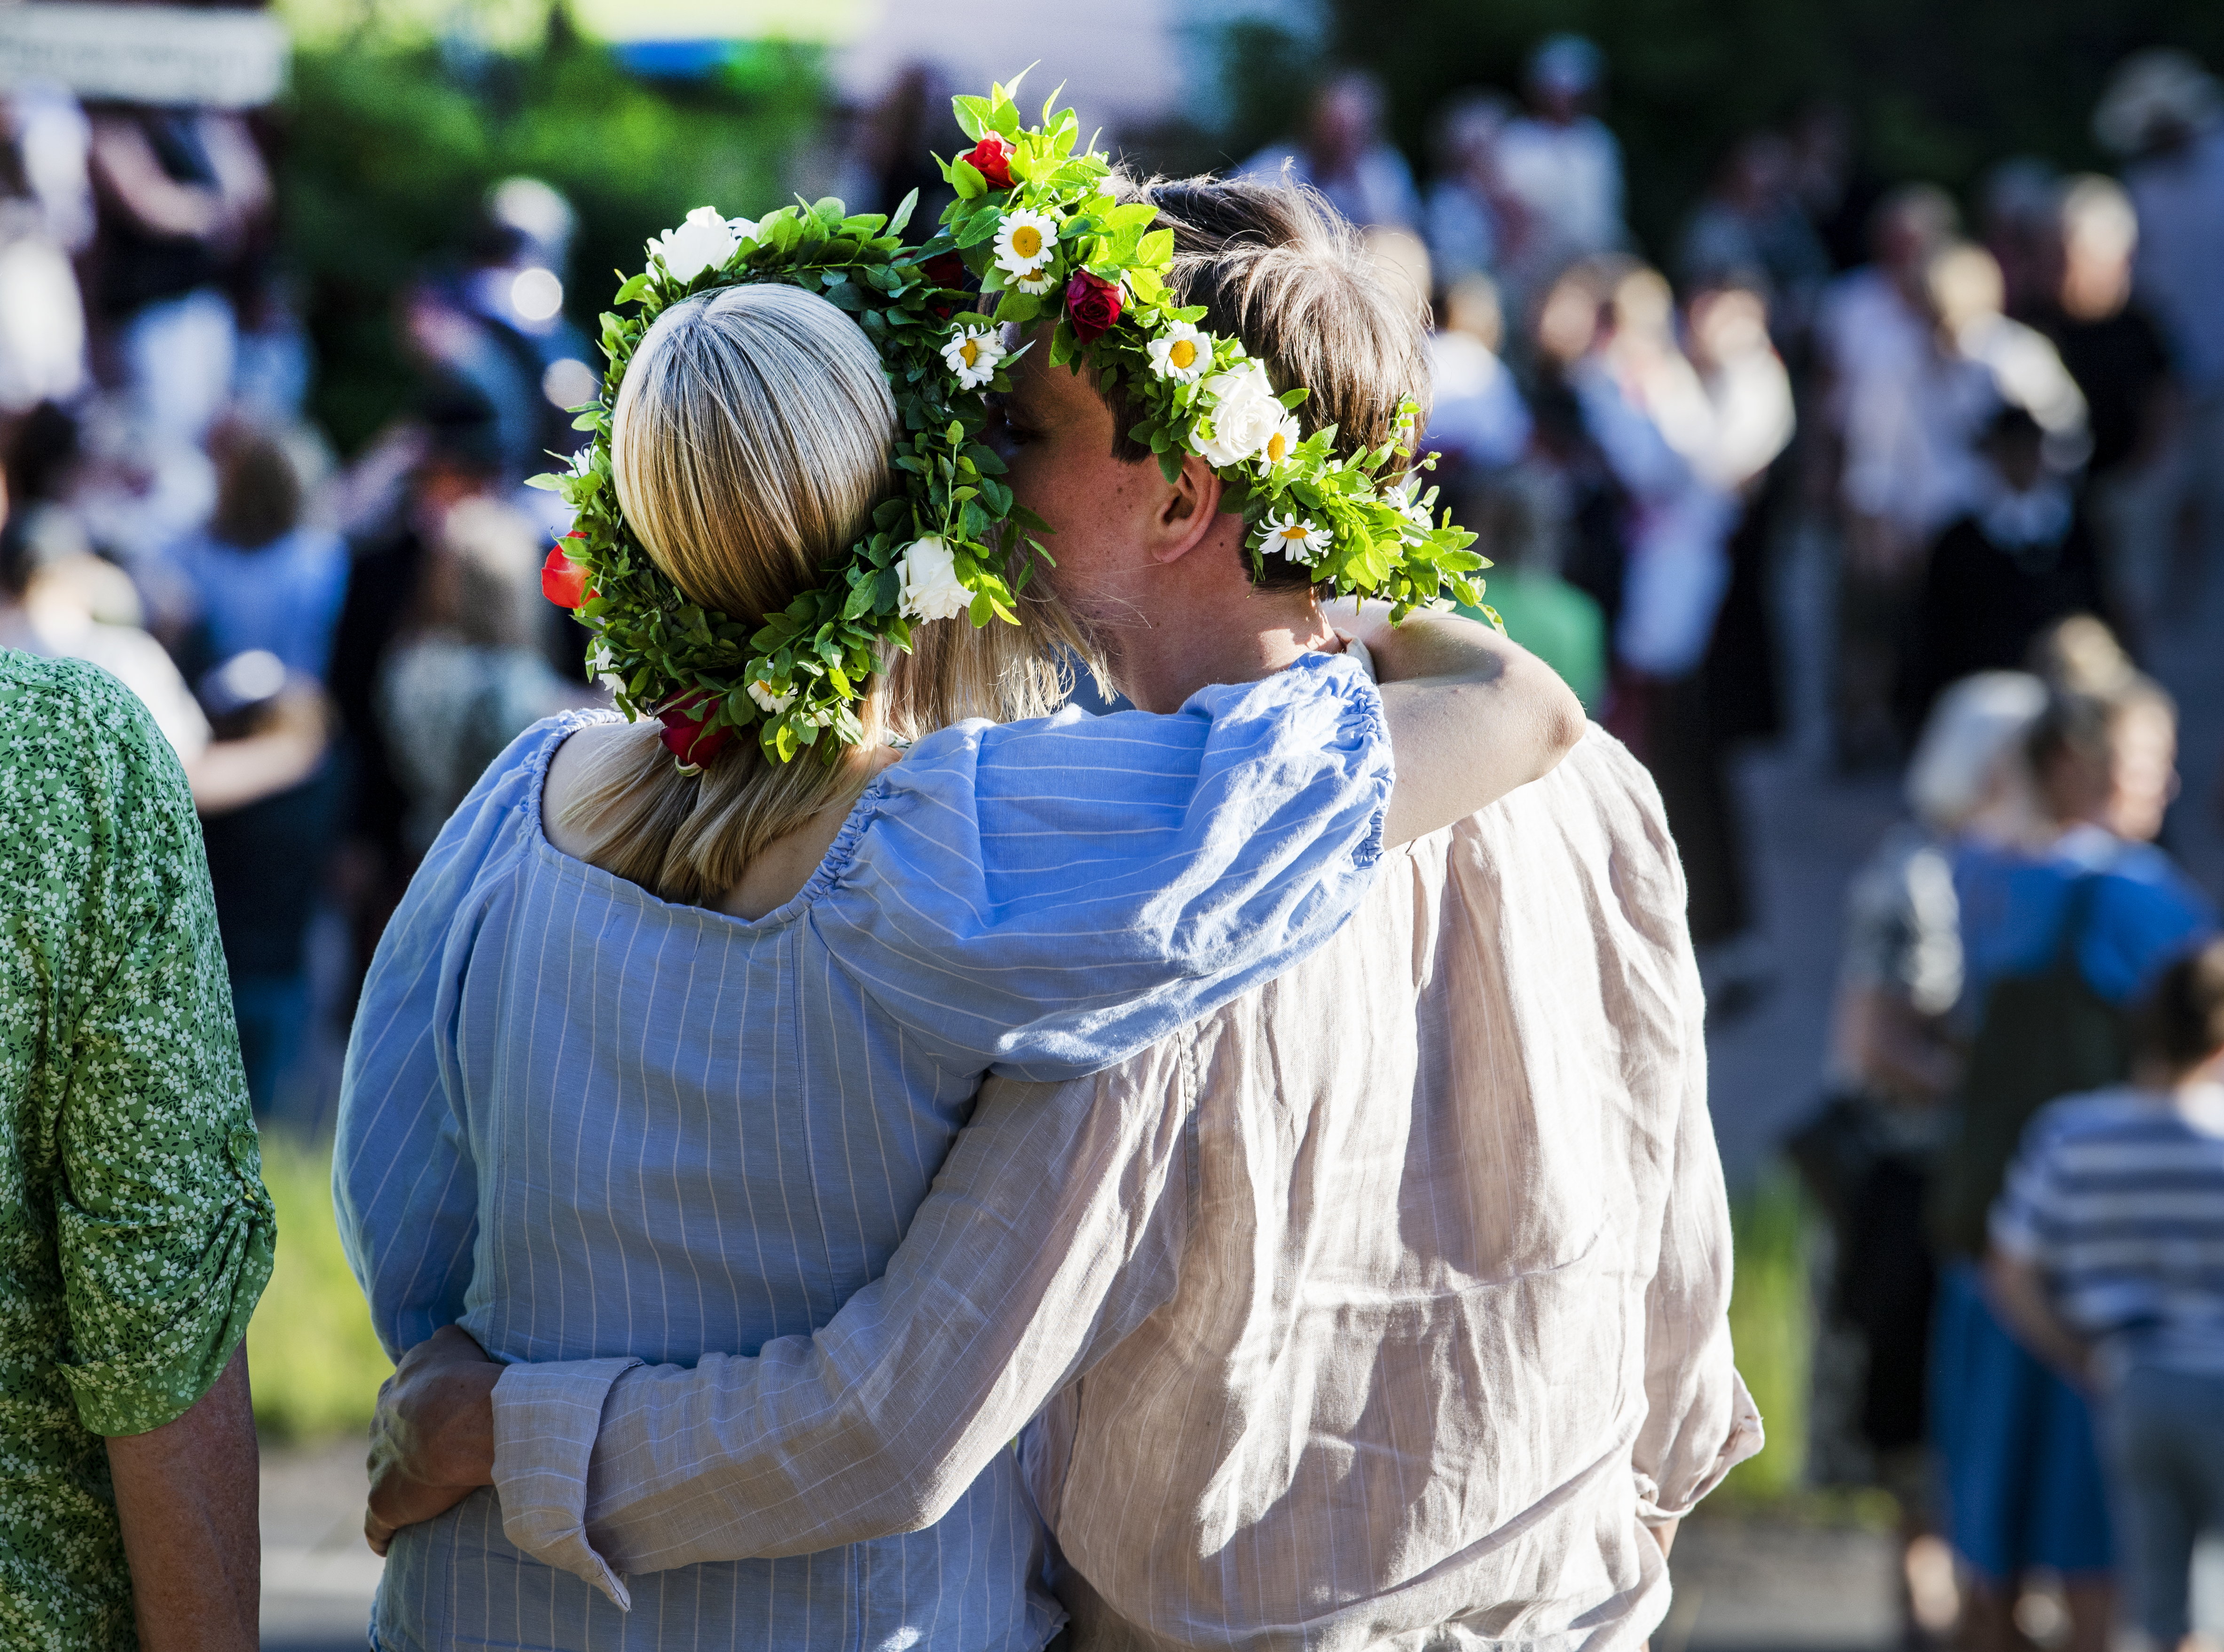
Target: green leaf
553 484
1156 248
903 212
965 178
972 115
632 289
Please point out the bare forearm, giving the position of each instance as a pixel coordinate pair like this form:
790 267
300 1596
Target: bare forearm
186 1496
1471 715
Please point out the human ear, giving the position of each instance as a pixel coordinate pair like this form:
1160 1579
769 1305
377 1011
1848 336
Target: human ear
1186 513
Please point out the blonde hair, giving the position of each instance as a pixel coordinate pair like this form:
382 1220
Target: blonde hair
749 445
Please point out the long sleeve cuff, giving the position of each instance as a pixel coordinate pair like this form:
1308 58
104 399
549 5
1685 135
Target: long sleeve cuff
546 1419
1657 1508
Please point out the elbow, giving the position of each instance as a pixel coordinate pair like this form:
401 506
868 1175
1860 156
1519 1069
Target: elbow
1561 722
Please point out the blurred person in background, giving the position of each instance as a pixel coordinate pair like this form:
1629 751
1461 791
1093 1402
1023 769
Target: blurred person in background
258 577
58 601
1560 161
1344 154
45 219
450 453
2165 114
2115 353
2021 204
472 678
178 192
1869 1153
2021 559
266 861
1749 229
2056 941
891 147
1477 421
2107 1258
136 1236
2021 367
1474 221
1836 194
1879 364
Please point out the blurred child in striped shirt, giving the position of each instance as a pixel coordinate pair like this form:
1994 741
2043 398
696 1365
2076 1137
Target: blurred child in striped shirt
2107 1259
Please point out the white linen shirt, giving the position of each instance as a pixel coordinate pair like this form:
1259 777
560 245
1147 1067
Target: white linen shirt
1384 1307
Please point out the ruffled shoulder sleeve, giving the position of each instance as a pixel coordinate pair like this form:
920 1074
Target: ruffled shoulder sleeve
1047 898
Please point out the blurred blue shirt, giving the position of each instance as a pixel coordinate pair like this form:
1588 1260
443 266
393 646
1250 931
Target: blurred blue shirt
283 596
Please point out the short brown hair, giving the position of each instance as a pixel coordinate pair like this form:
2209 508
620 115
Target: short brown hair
1275 267
2181 1025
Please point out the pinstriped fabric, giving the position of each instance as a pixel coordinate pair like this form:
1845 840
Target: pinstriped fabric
583 1123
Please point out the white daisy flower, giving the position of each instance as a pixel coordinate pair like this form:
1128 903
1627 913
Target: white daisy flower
1280 442
1181 353
973 354
770 703
704 241
1036 285
931 590
1296 537
1025 239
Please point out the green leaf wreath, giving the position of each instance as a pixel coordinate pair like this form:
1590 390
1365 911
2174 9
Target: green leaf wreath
1035 226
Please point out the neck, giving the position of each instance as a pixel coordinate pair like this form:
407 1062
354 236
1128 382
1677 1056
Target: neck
1205 623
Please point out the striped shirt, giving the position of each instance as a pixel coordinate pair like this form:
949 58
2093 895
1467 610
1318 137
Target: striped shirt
2118 1197
583 1123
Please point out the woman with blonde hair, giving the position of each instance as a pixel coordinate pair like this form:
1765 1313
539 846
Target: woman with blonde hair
651 1064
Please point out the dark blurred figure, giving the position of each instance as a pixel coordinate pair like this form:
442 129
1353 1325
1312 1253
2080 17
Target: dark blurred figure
178 193
468 678
1342 154
1999 575
458 455
1869 1154
2113 350
1749 229
258 577
1836 192
268 861
1883 458
1474 223
513 287
892 149
1561 163
2021 199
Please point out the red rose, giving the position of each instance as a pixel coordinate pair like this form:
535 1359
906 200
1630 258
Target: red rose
992 159
1094 304
945 269
684 734
563 580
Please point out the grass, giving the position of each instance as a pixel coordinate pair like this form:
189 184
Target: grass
315 1363
1771 1319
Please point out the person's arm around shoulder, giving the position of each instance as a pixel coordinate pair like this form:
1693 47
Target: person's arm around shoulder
1471 715
185 1497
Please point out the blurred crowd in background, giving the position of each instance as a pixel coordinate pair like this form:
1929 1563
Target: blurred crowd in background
1998 423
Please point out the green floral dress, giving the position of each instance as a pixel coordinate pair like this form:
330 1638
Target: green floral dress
135 1231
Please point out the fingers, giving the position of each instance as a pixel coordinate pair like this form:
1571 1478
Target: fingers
377 1533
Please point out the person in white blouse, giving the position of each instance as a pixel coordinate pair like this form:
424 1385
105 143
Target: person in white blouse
1386 1305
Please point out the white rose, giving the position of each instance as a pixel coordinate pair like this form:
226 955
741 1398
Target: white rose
704 241
1245 415
931 587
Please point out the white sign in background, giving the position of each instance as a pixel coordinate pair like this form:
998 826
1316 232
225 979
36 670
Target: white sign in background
145 54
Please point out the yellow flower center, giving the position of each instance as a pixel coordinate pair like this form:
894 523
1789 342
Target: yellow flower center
1026 242
1183 353
1277 445
1294 531
970 351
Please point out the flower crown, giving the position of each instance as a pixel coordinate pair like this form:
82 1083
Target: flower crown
1034 225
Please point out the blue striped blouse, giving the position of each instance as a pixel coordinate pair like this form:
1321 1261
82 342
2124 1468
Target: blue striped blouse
583 1122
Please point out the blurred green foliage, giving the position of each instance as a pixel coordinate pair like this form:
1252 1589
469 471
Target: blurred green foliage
1937 90
1771 1323
312 1357
388 149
